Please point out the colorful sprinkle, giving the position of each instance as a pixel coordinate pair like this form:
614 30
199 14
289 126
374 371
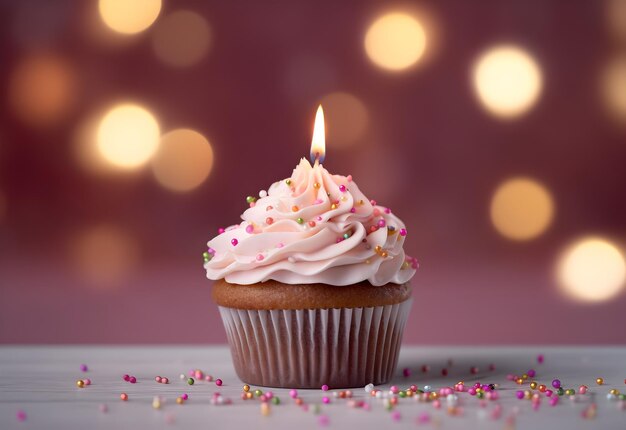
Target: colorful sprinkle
234 242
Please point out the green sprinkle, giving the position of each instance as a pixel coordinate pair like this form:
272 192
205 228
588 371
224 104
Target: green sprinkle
300 221
190 381
276 400
288 181
560 391
250 199
258 393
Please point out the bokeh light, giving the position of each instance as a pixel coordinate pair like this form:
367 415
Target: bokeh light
521 209
616 16
184 160
592 269
613 88
42 89
507 81
128 136
346 118
104 256
395 41
129 16
181 38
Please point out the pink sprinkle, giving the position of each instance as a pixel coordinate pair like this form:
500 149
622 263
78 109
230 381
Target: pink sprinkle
395 415
165 381
220 230
549 393
376 212
472 391
234 242
394 389
554 400
352 210
185 396
406 372
582 389
20 415
218 382
437 404
373 202
319 218
259 257
293 394
324 387
403 232
208 378
423 418
252 204
325 400
280 245
531 373
339 239
83 368
158 379
132 380
269 394
540 359
381 223
349 178
250 229
342 188
263 398
87 381
126 377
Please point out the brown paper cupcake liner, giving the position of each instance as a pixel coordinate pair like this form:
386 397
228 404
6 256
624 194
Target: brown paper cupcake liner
306 348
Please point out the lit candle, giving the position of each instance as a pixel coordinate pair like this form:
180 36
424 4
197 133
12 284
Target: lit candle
318 143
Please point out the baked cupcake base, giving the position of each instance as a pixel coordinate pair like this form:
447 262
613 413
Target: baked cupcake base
300 341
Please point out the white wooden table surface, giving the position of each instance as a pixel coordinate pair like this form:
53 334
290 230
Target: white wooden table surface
41 381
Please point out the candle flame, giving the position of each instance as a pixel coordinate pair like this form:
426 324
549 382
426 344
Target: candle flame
318 143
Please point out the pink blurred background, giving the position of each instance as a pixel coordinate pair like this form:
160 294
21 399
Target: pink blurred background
95 254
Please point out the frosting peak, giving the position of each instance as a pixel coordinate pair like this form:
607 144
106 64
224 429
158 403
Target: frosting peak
312 228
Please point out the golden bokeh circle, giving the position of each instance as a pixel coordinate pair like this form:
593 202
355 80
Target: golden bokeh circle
346 118
395 41
592 269
181 39
521 209
184 160
128 136
104 255
613 86
42 89
507 81
129 16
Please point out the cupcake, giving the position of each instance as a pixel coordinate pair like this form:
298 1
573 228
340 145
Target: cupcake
313 286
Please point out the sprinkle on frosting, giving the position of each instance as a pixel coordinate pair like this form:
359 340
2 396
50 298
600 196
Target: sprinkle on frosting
314 227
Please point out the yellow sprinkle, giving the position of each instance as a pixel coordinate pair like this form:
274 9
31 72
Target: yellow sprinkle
246 388
333 206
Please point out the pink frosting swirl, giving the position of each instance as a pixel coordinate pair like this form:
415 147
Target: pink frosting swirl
312 228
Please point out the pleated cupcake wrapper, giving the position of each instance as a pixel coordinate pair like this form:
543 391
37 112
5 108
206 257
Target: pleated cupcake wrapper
306 348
